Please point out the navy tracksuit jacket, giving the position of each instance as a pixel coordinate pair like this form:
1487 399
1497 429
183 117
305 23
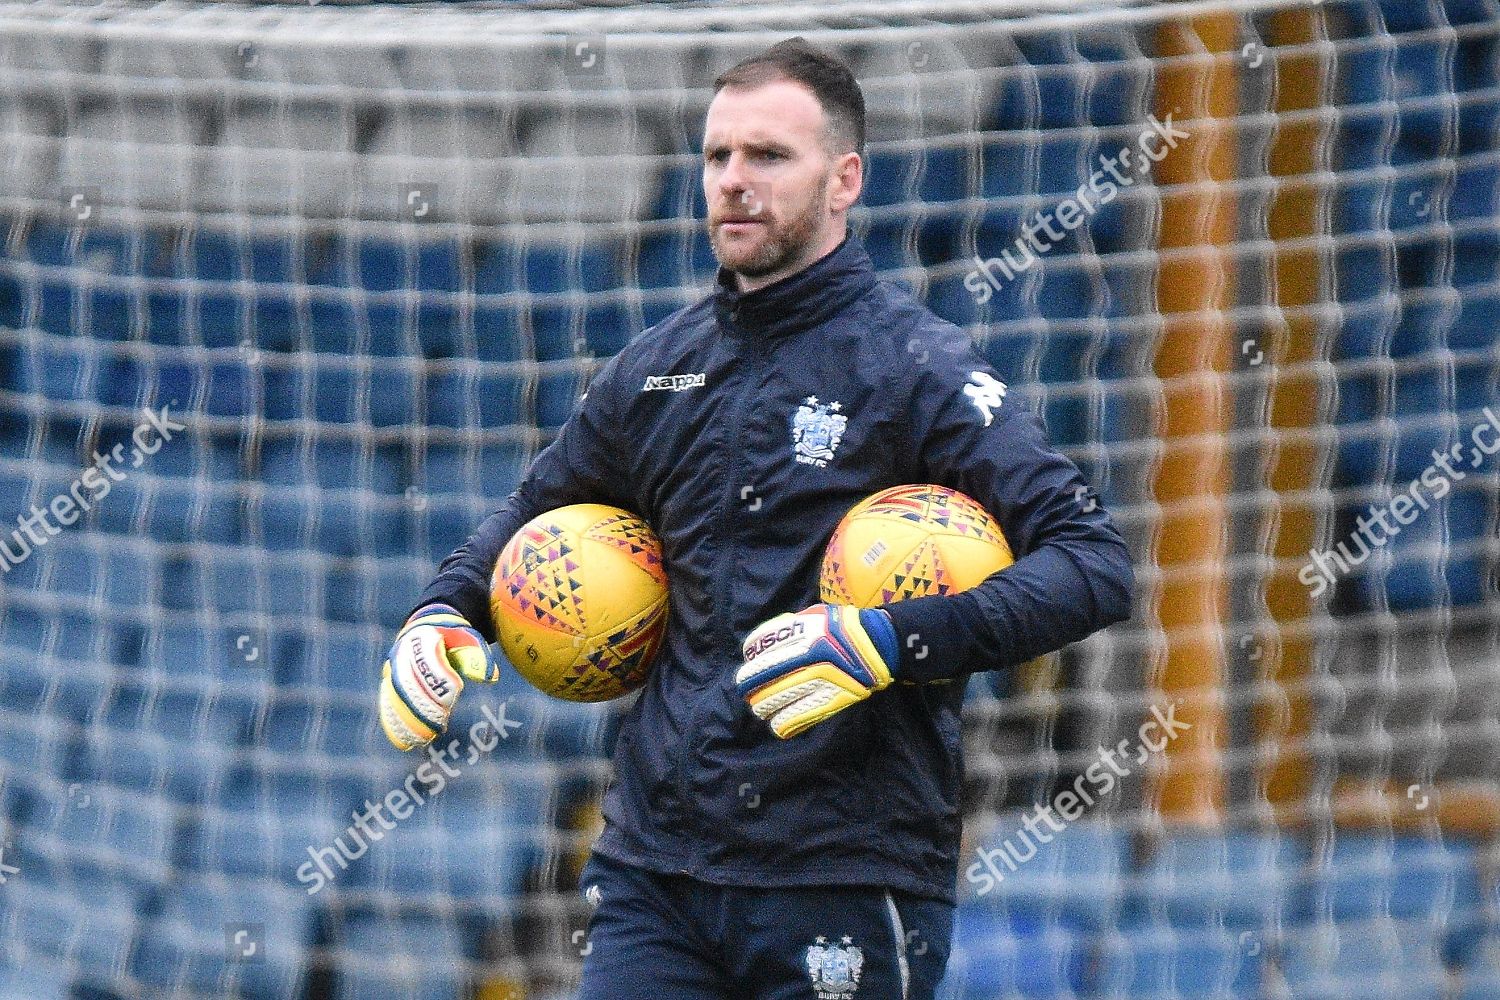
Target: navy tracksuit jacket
742 428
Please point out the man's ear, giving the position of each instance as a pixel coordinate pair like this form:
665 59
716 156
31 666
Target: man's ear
846 182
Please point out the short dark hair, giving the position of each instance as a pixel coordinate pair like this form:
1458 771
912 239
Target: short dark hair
822 72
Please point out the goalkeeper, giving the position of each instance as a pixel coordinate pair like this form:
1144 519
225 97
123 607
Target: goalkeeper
784 819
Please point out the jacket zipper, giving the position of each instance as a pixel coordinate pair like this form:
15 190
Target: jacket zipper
744 381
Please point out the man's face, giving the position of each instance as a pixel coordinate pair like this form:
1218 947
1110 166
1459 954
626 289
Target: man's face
776 195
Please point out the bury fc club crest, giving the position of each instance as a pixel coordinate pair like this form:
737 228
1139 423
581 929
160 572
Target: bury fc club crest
834 968
817 429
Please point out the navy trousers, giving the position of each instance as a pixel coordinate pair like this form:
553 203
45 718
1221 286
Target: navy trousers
671 937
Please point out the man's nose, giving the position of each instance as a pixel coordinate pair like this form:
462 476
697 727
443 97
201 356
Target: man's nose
733 179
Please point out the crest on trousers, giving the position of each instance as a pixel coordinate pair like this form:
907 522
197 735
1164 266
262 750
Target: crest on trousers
817 429
834 968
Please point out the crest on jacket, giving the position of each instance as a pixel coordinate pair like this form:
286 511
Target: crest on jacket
834 968
817 429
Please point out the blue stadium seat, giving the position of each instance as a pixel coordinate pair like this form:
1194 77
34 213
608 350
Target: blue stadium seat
445 521
336 660
322 729
471 396
947 173
128 752
1369 875
1478 120
292 520
681 190
34 982
275 320
330 463
1479 974
1478 322
206 255
557 395
552 729
993 958
1066 161
12 299
441 327
1164 963
154 380
270 789
473 840
173 510
500 331
99 248
46 920
1364 139
1363 271
1119 89
537 267
1364 960
1476 192
227 938
1416 579
1476 260
570 329
61 369
103 835
381 265
337 325
679 258
390 957
1240 881
1067 291
1421 69
169 318
891 178
70 676
1076 879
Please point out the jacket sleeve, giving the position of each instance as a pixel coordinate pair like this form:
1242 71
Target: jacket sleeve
580 466
1072 574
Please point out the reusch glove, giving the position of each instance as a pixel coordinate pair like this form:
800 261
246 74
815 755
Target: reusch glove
435 651
802 668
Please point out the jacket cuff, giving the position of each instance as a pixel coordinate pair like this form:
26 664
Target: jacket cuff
475 611
930 632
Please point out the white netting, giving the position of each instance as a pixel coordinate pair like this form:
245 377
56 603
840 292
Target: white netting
359 262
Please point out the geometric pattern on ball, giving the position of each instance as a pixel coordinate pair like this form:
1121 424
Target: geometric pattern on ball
911 541
579 598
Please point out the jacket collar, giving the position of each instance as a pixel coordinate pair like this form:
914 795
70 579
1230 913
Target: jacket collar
799 301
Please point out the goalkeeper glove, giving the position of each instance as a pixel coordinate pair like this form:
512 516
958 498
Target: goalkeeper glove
802 668
435 651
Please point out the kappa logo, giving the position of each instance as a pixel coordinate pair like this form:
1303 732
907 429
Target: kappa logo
834 968
986 392
674 383
817 429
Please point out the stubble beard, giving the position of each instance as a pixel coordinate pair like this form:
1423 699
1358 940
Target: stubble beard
783 245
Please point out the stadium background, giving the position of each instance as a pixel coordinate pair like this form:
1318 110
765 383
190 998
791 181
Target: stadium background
368 256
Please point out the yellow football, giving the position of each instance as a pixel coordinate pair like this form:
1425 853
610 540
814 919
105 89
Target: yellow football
911 541
579 597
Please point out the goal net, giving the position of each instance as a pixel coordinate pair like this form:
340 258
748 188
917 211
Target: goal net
291 295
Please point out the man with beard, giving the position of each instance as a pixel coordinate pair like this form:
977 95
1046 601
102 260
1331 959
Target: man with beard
784 820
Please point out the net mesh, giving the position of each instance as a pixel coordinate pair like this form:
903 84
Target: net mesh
289 297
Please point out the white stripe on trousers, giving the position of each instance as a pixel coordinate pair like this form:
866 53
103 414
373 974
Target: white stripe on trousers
900 932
